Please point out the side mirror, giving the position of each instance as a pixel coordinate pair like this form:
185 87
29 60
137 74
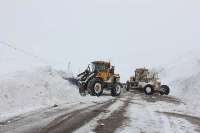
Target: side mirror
88 68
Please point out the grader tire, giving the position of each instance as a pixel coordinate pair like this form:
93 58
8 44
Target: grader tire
127 86
149 90
166 89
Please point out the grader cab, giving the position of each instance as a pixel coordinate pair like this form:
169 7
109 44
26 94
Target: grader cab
98 76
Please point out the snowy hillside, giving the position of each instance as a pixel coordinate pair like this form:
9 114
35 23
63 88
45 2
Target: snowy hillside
183 76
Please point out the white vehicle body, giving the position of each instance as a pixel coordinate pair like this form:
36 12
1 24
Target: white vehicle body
145 80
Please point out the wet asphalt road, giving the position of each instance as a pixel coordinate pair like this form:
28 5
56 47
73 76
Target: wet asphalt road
71 118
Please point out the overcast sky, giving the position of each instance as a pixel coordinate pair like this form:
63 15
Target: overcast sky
129 33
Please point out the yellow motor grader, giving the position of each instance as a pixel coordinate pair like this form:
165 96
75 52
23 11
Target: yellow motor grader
147 81
98 76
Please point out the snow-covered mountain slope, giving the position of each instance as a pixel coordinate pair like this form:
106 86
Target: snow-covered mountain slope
182 67
183 76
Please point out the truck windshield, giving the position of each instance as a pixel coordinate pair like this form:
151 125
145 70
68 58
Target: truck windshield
101 67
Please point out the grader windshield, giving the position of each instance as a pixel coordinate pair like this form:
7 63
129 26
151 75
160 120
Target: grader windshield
141 75
144 75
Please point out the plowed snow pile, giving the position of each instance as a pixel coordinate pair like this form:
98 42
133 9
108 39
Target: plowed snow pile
26 85
25 91
183 76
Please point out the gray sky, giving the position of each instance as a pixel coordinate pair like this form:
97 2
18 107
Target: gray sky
129 33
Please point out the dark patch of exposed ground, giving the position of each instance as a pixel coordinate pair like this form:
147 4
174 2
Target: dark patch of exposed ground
70 122
67 121
116 120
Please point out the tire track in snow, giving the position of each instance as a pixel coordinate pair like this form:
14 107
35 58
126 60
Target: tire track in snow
192 119
71 121
115 120
143 117
41 120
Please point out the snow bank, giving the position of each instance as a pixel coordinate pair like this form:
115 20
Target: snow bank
183 76
43 87
26 84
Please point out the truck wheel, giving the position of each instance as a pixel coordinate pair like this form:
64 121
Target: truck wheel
165 89
116 90
149 89
127 86
95 86
82 89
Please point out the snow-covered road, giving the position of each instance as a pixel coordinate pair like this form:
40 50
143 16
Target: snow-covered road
132 112
158 114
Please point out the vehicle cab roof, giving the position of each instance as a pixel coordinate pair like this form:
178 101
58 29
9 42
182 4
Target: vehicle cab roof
100 62
141 69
